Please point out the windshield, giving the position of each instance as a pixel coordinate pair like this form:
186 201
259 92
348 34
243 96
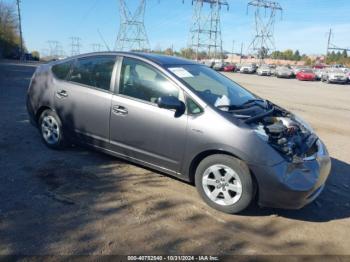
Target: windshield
309 71
212 87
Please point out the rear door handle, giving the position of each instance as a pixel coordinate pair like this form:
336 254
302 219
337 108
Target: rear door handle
62 94
120 110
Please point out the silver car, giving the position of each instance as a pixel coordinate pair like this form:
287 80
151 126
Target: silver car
183 119
284 72
334 75
264 70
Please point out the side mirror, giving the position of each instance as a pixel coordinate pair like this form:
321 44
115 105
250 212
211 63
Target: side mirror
171 102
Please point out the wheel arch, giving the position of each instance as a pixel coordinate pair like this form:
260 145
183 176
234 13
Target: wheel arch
40 111
199 157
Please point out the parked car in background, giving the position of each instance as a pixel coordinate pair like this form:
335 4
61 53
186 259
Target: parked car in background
219 66
248 69
264 70
230 68
348 74
334 75
155 111
238 67
319 73
209 63
306 75
284 72
297 69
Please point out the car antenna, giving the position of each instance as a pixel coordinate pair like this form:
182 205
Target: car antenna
104 41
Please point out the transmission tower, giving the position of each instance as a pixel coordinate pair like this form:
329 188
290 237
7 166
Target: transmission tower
55 49
132 34
75 45
205 32
265 16
96 47
331 46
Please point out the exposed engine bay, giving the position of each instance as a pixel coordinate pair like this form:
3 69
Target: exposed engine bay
295 141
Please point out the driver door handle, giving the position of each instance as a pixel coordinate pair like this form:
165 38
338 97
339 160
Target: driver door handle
120 110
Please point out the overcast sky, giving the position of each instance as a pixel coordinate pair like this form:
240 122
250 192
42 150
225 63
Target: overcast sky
303 25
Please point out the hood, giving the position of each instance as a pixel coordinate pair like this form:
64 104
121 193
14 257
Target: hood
288 134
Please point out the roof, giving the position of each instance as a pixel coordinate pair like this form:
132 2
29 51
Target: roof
163 59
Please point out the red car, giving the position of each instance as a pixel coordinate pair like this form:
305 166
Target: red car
229 68
306 75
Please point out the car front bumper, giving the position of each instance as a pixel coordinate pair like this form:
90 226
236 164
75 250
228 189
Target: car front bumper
293 185
335 80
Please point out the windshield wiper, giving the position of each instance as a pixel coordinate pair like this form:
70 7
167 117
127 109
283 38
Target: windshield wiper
250 101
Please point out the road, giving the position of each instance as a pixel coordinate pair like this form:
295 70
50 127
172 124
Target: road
78 201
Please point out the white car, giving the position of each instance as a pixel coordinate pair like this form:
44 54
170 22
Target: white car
248 69
264 70
334 75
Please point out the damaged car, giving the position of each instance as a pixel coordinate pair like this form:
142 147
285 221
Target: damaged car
183 119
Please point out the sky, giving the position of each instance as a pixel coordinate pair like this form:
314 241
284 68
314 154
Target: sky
303 25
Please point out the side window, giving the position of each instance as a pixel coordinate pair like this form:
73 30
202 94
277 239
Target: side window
61 70
142 81
192 107
94 72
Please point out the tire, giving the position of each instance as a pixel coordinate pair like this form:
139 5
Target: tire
50 127
215 168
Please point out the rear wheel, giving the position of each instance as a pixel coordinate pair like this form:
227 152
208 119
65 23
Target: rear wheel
225 183
51 129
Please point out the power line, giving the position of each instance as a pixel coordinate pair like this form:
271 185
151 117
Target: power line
205 32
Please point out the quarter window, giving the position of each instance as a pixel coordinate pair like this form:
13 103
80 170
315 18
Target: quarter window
61 70
142 81
192 107
94 72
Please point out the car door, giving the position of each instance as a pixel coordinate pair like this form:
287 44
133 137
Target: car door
139 129
83 102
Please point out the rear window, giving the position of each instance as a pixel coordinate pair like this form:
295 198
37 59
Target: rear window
94 71
61 70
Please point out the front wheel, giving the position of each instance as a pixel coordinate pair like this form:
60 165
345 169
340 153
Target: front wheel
51 129
225 183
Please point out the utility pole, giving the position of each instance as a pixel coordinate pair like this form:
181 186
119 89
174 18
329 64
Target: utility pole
240 59
329 41
132 34
233 48
205 32
20 30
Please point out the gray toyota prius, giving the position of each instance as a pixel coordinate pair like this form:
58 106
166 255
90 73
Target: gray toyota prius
184 119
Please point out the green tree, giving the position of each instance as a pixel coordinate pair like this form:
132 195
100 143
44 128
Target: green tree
296 56
345 54
9 36
36 55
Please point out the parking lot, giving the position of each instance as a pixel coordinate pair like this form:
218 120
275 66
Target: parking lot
79 201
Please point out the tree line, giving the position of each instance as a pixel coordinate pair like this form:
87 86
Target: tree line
9 34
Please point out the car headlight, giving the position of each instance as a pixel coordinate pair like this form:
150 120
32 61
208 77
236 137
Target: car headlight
304 123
